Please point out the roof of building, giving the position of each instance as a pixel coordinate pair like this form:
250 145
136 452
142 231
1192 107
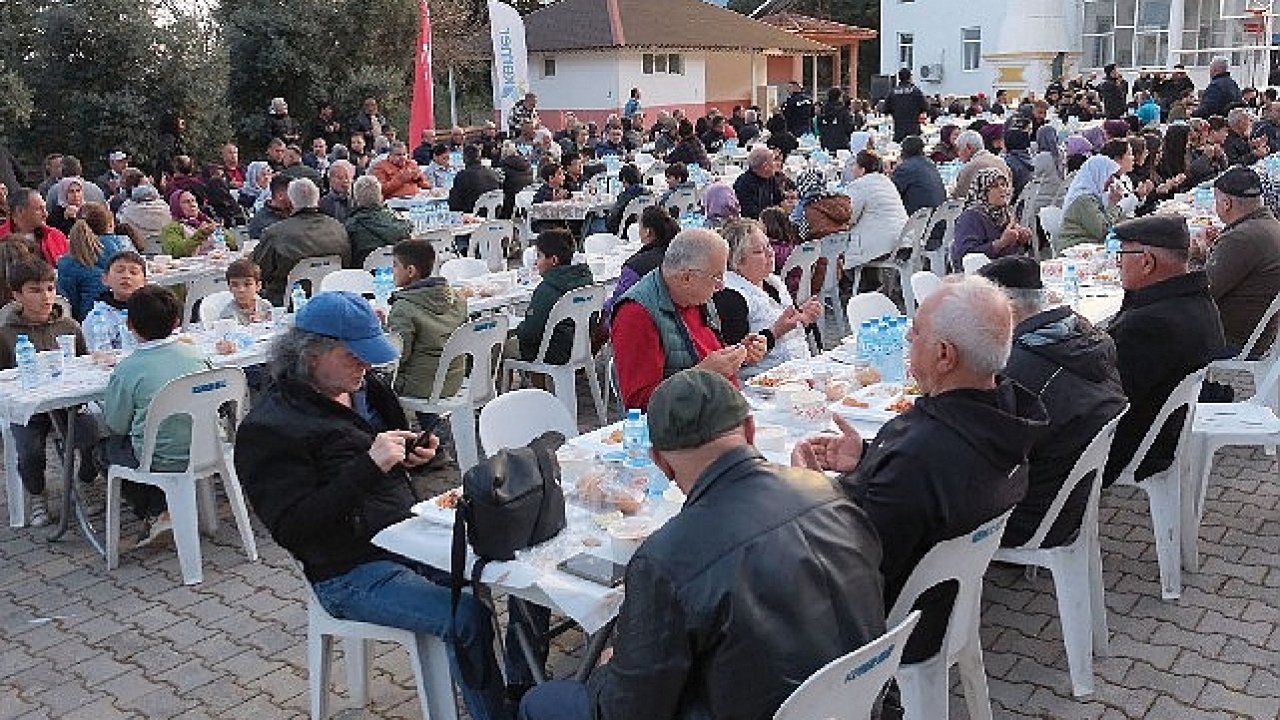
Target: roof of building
818 29
679 24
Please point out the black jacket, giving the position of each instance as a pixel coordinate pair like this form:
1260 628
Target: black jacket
767 574
919 183
304 462
905 103
1236 146
835 123
798 110
1115 97
474 181
755 193
1163 333
690 152
1220 95
938 471
517 174
1071 365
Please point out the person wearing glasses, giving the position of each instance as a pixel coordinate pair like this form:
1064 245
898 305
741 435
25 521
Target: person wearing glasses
666 322
1167 328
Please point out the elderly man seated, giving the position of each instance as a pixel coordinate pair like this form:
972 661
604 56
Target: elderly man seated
304 234
954 461
1244 261
399 176
759 187
971 149
666 322
1167 328
1071 365
765 575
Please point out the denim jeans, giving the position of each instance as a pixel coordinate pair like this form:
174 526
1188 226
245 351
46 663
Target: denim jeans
556 700
29 445
385 592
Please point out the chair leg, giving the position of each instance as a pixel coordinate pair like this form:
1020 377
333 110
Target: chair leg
319 665
17 497
235 496
181 499
597 393
1164 493
431 672
207 507
355 653
1070 571
1097 598
566 391
1200 458
924 689
113 522
463 423
973 675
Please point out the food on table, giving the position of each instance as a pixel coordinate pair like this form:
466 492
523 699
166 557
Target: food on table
449 500
902 404
614 437
766 381
598 488
836 390
854 402
866 375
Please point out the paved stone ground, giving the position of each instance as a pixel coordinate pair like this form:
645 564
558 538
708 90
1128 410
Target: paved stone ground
79 642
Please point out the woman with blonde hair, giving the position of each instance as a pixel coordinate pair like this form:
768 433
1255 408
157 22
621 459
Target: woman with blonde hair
93 241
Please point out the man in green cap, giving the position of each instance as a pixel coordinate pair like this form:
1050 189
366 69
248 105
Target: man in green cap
767 574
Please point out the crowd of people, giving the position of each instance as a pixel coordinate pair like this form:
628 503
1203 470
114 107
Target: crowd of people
1013 387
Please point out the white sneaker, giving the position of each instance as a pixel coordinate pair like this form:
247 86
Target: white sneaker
40 516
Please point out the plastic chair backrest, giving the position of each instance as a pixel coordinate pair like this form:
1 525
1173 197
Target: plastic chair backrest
578 306
913 233
923 284
848 687
1050 221
488 242
212 306
514 418
1267 388
945 215
633 233
600 243
631 213
310 271
1092 460
685 200
1184 394
963 559
489 203
198 289
198 396
380 258
1257 332
356 281
479 340
868 305
803 257
463 269
973 262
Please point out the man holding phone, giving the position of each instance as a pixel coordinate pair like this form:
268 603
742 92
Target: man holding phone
767 574
324 457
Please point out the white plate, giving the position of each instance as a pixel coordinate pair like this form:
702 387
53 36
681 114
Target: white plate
879 395
431 511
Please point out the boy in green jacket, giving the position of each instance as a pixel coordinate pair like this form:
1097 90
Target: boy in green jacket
559 275
424 311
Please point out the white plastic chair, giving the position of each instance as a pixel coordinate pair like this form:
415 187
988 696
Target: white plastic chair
1164 489
577 306
489 243
463 269
198 289
945 214
1218 425
309 272
427 656
803 257
379 258
973 262
514 418
849 686
906 257
631 213
1076 567
1051 223
868 305
600 243
835 250
489 203
211 307
923 284
1262 366
15 494
359 282
480 341
685 200
924 684
633 233
198 396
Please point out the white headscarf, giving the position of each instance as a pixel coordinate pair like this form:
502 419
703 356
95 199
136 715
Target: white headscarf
1092 179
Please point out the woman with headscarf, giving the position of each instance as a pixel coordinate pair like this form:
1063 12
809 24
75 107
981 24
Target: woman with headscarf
146 213
819 212
1078 149
720 203
1089 209
68 197
257 185
987 224
945 150
191 232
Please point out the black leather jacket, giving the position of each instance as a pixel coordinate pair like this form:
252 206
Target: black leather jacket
767 574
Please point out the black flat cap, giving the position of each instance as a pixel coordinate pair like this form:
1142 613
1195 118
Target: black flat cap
1159 230
1017 272
1241 182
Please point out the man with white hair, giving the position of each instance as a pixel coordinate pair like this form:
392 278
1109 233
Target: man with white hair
956 459
1236 145
304 234
337 202
666 322
973 151
758 187
1222 93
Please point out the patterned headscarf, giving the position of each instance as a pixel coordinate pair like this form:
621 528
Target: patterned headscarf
983 181
810 184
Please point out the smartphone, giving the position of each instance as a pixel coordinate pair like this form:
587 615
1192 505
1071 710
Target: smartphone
424 437
594 568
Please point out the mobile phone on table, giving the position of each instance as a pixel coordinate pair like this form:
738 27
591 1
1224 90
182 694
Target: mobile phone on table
594 568
424 437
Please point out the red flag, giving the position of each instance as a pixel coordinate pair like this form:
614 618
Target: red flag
421 114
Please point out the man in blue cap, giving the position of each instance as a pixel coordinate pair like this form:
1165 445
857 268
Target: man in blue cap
324 457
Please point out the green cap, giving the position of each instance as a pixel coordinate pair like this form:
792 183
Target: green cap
693 407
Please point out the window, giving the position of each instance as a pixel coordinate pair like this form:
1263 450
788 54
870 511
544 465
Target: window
675 64
549 66
906 50
971 47
646 64
662 63
1135 33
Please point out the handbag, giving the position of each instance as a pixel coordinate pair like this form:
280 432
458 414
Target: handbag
510 501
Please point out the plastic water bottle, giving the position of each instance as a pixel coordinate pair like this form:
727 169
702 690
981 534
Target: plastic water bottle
28 368
633 435
1112 244
99 327
1204 196
884 348
383 285
299 297
1070 283
895 342
863 349
128 343
219 239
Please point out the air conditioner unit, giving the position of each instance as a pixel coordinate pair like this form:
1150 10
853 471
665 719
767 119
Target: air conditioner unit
931 73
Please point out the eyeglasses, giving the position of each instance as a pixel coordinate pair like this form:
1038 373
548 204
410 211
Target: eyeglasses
717 278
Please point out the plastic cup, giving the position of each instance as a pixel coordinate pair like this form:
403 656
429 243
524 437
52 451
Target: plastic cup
67 344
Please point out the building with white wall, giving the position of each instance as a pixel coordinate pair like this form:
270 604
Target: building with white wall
962 47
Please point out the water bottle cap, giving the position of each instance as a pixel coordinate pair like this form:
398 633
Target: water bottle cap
23 338
633 413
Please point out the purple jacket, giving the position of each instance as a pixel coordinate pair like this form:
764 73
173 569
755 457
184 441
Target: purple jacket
976 233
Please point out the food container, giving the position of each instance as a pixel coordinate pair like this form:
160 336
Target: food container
627 534
771 438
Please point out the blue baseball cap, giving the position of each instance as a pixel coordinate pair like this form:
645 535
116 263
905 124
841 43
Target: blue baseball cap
347 317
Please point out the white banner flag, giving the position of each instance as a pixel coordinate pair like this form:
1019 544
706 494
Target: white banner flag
510 57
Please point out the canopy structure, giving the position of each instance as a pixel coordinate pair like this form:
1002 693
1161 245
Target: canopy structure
827 32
